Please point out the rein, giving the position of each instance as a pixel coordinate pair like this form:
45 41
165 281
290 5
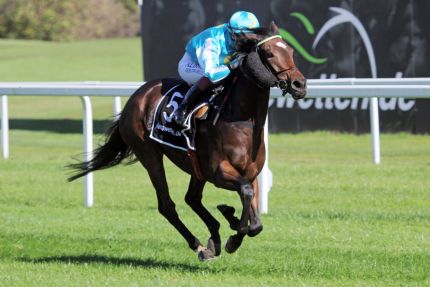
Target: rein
282 84
226 96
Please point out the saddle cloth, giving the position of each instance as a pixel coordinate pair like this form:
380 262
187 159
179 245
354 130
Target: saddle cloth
164 128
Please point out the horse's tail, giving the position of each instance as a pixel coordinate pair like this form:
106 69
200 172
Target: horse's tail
111 153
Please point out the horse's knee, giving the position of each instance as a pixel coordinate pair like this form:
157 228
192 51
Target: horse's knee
247 191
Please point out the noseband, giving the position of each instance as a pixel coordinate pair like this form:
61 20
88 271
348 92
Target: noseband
283 84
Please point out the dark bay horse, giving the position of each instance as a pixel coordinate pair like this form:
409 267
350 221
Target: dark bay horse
231 153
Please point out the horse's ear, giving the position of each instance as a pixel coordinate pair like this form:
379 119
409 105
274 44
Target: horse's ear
274 28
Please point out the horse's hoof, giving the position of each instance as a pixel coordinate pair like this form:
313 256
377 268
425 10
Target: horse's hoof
206 255
254 231
233 243
214 247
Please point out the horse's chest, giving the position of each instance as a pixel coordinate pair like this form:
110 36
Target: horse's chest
235 144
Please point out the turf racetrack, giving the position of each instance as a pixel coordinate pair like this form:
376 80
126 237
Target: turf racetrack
335 219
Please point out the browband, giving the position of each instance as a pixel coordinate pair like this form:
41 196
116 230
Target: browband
268 39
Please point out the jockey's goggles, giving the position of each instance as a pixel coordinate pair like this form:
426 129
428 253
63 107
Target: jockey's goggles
238 30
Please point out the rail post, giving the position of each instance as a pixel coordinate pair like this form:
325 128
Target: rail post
4 127
88 148
374 129
116 107
265 176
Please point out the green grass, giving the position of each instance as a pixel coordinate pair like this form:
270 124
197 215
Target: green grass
335 219
101 60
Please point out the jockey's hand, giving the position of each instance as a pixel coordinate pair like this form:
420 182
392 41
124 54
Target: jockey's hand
233 64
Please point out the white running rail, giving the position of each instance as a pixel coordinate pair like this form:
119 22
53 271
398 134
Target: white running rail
318 88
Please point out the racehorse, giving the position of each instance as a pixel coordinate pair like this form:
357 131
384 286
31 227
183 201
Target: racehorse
230 150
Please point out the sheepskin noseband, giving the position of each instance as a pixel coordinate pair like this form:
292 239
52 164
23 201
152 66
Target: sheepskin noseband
259 71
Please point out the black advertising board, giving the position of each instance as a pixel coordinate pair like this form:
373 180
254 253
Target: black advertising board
332 39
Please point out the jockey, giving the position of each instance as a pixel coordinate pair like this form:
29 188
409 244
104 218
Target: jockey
208 58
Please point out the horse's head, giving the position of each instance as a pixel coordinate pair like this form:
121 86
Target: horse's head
278 57
270 60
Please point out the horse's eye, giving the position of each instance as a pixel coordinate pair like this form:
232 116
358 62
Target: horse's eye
269 54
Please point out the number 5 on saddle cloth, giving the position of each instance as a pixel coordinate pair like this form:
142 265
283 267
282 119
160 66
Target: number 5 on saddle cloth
164 128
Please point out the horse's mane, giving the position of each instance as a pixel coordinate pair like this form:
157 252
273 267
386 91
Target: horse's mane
247 41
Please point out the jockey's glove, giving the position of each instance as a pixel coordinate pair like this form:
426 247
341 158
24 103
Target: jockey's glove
233 64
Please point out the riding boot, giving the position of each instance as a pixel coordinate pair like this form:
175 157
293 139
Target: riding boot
190 98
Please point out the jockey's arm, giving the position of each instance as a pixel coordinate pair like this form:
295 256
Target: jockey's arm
209 60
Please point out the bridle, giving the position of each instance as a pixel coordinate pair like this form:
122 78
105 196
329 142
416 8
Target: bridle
283 84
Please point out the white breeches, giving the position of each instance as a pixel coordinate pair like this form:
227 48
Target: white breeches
189 71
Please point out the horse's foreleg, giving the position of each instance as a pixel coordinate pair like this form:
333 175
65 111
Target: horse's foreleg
194 199
228 212
247 194
255 226
228 177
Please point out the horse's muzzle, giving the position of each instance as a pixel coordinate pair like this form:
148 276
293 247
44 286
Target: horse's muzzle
297 88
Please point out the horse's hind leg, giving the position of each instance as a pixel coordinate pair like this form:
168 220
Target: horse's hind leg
194 199
152 160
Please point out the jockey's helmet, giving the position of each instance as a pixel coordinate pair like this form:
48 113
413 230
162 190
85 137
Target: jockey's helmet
242 22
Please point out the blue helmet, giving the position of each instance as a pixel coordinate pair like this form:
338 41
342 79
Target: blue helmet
242 22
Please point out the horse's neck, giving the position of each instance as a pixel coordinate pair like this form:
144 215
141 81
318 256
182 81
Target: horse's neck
247 102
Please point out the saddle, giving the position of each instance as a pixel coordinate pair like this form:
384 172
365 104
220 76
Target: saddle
165 130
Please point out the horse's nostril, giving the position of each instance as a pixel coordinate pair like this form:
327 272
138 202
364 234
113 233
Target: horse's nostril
299 84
